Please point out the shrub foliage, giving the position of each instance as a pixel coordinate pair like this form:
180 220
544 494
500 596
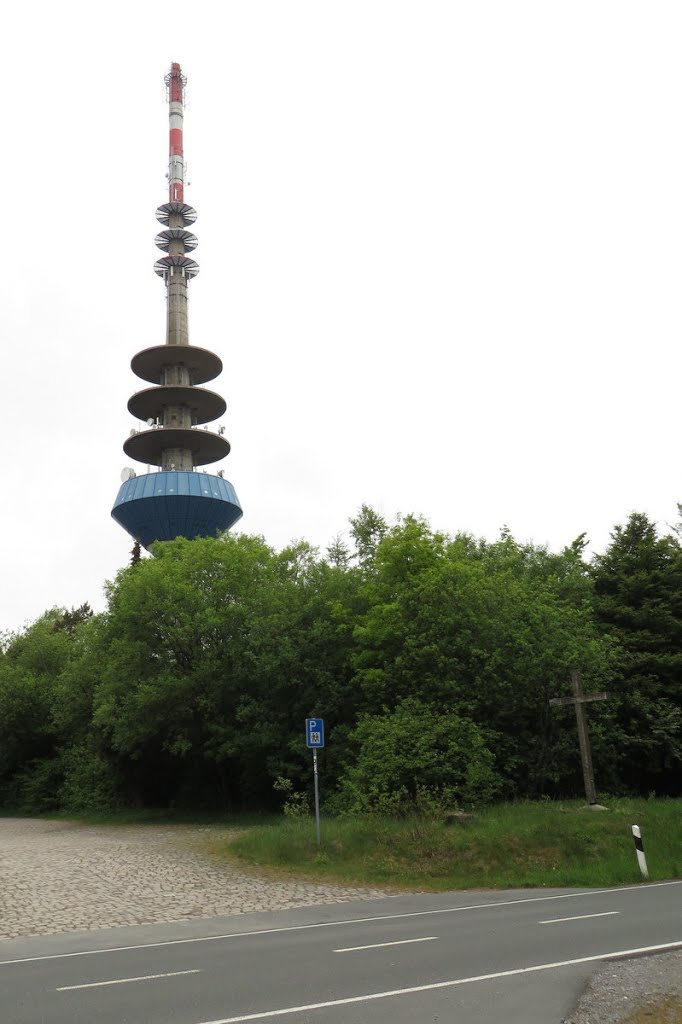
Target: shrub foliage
432 659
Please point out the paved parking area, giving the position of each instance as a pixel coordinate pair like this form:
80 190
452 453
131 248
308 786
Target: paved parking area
60 876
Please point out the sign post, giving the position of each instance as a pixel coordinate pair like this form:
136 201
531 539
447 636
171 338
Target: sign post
314 738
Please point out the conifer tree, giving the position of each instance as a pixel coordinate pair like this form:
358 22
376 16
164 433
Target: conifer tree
638 602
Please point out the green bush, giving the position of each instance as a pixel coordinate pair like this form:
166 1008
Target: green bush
296 804
416 758
90 781
35 789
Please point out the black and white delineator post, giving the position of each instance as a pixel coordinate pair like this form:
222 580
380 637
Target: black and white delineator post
314 738
639 848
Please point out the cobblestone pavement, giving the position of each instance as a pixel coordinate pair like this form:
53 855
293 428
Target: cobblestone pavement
64 876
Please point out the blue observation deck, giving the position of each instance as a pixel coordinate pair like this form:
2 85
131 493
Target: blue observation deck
164 505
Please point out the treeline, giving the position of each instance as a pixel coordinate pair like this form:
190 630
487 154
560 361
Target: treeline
432 659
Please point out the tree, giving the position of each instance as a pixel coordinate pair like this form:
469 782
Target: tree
70 620
176 660
29 669
367 530
338 553
489 631
193 686
638 602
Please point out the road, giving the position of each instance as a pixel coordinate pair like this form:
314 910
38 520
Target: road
470 957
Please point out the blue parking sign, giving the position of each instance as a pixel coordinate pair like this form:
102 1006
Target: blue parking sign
314 732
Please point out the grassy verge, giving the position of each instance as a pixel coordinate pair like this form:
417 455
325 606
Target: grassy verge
506 846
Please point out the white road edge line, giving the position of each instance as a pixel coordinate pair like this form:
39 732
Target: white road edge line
124 981
580 917
442 984
380 945
338 924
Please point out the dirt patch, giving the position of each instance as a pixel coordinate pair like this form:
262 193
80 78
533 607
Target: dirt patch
666 1011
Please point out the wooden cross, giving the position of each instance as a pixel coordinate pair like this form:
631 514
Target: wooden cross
580 698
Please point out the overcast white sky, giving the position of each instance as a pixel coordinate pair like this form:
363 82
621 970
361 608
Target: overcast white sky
440 251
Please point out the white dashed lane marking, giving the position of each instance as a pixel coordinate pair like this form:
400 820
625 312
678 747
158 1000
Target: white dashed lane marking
580 917
380 945
125 981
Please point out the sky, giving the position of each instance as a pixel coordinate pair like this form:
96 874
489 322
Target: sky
440 248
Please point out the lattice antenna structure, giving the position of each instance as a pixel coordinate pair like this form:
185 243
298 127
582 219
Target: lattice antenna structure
176 500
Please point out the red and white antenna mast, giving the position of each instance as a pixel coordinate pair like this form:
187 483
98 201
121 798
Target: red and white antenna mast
175 83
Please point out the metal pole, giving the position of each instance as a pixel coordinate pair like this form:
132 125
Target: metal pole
317 796
583 738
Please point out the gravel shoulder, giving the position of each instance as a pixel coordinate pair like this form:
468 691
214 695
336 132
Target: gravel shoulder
633 990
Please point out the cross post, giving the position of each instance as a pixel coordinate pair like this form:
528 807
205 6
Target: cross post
579 699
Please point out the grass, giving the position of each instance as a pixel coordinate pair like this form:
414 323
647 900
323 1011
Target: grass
505 846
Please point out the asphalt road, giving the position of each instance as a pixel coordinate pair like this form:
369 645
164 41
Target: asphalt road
471 958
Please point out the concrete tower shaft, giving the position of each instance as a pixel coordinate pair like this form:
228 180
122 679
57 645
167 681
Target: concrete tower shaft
177 323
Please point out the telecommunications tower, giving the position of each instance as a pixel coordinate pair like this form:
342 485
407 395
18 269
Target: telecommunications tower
176 498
